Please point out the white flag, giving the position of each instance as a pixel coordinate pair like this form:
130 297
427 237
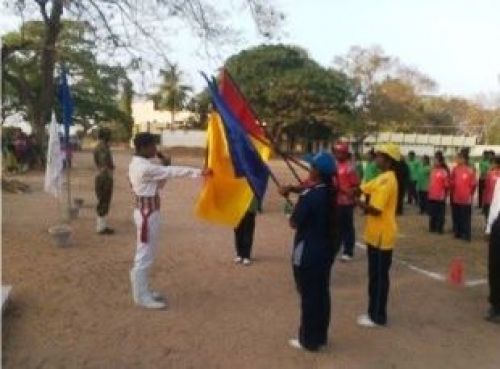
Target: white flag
54 170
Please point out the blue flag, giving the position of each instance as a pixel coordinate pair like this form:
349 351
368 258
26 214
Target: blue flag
246 160
67 104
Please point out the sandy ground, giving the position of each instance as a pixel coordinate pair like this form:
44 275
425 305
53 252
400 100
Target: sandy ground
71 308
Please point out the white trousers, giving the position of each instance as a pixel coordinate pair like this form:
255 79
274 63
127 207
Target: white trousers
145 252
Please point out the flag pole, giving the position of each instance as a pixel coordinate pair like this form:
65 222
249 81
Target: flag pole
68 182
285 157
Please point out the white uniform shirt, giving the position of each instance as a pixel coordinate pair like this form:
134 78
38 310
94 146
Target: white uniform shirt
494 208
146 177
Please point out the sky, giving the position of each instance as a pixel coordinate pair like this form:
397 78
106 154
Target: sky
455 42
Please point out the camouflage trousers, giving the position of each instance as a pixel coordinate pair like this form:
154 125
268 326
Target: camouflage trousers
104 192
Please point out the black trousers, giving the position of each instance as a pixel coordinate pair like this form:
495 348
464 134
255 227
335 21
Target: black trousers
480 189
401 197
346 228
494 266
104 192
422 201
379 264
243 235
486 210
437 210
462 218
412 193
313 286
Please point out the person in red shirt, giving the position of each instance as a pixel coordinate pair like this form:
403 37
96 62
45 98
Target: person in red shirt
347 182
463 185
439 184
489 184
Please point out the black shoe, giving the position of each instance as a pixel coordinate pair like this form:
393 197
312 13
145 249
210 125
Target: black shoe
106 231
493 315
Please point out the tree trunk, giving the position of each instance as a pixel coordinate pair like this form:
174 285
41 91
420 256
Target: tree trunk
45 103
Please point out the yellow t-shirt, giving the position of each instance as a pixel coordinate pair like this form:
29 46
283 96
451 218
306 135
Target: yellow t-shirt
381 230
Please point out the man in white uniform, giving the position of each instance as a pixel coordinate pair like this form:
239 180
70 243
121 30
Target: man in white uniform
146 179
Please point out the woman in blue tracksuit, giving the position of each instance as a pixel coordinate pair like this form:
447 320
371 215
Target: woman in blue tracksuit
313 254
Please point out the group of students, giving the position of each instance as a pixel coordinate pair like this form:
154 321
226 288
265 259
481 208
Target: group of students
21 152
432 186
326 198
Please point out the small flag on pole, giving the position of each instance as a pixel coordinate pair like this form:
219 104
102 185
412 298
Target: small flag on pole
67 104
54 169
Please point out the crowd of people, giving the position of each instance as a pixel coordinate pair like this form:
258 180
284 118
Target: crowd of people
323 220
21 152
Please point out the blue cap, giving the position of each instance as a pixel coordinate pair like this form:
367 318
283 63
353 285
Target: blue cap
324 163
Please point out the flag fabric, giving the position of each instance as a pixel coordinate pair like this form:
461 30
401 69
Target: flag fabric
247 162
54 169
224 198
67 104
239 106
244 113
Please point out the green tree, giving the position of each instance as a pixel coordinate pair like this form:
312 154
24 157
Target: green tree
95 86
291 92
172 94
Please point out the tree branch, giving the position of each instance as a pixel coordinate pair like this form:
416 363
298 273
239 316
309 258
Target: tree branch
43 9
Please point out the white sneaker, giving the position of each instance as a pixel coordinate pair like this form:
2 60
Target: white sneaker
345 258
365 321
149 303
247 262
295 343
238 260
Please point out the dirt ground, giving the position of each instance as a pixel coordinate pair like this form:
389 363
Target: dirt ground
72 308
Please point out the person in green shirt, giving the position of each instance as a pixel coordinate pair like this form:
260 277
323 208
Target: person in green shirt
358 163
484 167
423 175
414 167
371 171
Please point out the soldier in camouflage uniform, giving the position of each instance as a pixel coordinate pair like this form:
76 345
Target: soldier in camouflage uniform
104 180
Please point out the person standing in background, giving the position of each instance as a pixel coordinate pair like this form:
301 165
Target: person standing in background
243 235
493 236
104 180
371 171
413 166
347 182
463 185
424 172
489 183
439 184
403 177
358 164
484 167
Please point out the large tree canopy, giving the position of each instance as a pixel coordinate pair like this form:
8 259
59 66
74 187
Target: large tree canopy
96 87
292 92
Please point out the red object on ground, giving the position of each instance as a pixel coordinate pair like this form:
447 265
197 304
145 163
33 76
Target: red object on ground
456 272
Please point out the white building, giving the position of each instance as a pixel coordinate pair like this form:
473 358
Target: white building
148 119
421 144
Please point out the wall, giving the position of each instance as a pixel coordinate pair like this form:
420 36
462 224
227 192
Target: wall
183 138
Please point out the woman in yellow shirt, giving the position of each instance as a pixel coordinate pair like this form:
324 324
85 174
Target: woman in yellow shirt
380 232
